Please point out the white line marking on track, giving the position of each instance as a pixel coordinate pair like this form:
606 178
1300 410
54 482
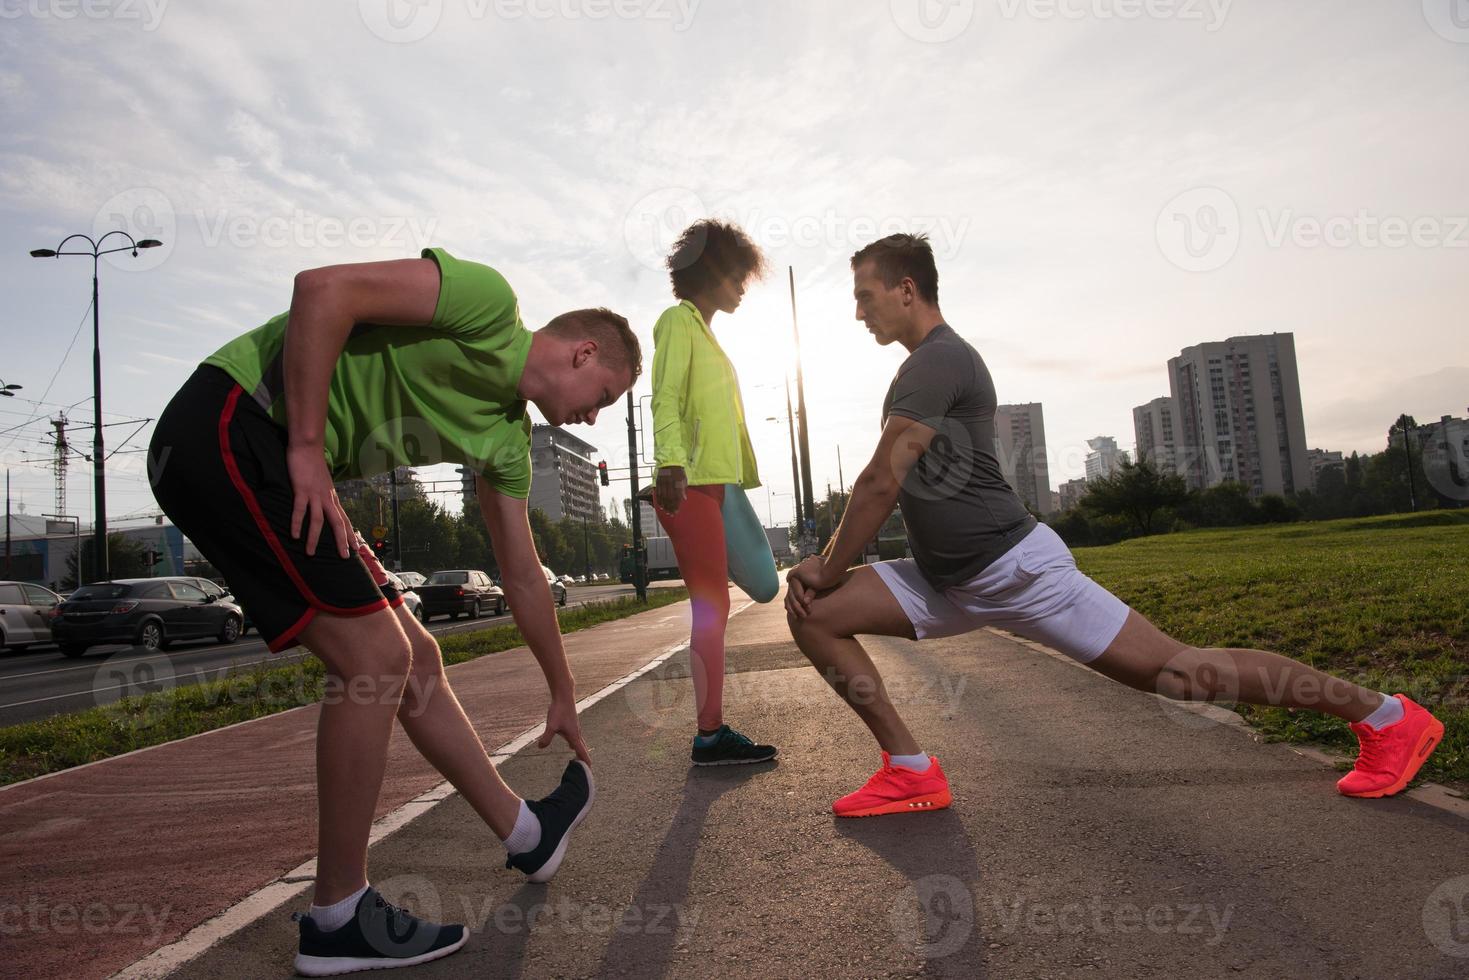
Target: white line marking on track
299 880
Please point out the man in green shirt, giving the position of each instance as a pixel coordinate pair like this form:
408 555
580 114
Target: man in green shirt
376 365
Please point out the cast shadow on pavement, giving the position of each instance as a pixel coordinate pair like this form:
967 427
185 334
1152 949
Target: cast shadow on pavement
646 952
936 916
505 947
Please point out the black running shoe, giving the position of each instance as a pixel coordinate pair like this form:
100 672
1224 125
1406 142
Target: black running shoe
559 814
379 936
730 748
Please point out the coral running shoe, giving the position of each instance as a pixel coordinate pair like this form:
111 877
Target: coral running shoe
1390 758
897 789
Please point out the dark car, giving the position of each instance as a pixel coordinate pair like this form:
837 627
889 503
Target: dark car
220 590
460 592
146 612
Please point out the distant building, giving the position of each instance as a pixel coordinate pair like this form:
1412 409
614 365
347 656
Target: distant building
1020 434
1320 460
651 527
1442 454
1239 414
468 495
564 481
1071 493
43 548
1104 459
1155 433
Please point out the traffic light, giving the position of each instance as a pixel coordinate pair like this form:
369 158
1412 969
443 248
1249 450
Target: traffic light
602 472
379 545
151 557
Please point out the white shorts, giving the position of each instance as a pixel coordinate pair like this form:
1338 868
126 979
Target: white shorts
1034 590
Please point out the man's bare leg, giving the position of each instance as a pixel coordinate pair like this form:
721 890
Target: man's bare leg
439 729
860 605
367 659
1144 657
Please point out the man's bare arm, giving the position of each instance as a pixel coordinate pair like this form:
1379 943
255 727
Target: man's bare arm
529 597
326 304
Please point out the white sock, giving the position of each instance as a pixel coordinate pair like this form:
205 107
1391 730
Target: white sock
918 763
329 917
527 833
1389 712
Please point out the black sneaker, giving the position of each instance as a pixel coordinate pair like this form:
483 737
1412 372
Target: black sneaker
559 814
380 935
730 748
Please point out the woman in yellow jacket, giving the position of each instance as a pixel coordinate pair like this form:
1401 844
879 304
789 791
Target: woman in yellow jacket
705 464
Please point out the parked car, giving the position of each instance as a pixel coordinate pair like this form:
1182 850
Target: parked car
411 599
25 614
456 592
565 579
146 612
558 590
412 579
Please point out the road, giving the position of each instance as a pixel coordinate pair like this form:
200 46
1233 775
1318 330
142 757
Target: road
40 682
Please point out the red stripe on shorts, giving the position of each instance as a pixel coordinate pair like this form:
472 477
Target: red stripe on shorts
267 531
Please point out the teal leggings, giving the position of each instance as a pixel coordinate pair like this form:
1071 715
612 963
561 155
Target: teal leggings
751 563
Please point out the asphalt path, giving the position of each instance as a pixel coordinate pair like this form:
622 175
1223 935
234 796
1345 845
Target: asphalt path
1096 831
40 683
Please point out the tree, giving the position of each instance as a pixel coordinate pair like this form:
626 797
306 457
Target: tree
550 544
1136 492
1275 509
125 555
1225 505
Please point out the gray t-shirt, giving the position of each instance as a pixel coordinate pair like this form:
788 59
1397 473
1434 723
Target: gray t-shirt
960 513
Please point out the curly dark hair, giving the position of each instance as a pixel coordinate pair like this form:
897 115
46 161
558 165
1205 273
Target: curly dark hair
708 251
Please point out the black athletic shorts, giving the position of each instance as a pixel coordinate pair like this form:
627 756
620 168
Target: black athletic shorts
217 464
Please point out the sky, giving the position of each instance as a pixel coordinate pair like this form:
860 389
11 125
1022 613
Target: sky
1105 182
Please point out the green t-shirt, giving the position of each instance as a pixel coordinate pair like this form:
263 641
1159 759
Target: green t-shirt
414 396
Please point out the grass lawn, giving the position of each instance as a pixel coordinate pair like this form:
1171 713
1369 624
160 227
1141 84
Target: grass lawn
1383 601
36 748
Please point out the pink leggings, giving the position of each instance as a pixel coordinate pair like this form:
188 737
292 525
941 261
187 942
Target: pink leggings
697 533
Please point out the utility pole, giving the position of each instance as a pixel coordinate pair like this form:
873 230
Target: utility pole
806 491
795 463
841 479
586 548
7 523
397 538
1408 449
639 557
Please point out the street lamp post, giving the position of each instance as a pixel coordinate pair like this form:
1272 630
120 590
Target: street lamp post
9 392
102 567
803 418
1408 450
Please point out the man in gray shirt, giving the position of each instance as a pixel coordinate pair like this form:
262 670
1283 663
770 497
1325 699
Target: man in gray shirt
980 559
960 512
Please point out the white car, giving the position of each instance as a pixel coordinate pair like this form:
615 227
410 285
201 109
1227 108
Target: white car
25 614
410 597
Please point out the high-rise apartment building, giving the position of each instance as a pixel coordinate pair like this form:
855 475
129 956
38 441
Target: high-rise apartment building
1239 414
1020 432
